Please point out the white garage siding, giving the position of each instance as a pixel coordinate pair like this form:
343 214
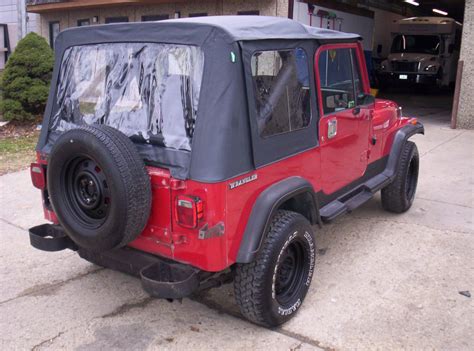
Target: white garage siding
10 16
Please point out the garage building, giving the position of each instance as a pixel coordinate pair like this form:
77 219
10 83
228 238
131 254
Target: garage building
372 19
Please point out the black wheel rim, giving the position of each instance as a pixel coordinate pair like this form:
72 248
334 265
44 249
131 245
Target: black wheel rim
86 191
291 273
411 179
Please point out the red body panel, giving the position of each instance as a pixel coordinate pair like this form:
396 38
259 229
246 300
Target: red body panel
327 167
346 154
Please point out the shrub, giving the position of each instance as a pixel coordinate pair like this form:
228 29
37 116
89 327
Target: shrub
26 78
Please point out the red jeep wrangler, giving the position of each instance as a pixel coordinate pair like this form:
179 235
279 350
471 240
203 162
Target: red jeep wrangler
194 151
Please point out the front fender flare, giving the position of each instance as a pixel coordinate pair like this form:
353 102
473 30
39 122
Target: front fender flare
265 207
399 140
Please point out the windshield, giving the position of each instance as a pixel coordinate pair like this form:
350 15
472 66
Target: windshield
421 44
149 92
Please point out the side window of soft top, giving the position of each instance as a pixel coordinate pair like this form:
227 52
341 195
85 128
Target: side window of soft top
281 86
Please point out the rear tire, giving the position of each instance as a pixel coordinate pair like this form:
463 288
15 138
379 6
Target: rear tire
271 289
399 195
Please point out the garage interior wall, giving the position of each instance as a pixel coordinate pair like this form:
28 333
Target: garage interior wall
352 23
465 118
383 28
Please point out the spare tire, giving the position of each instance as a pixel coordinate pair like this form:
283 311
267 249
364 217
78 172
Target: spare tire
99 187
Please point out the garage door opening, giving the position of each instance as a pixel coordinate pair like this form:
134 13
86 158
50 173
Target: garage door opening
423 68
412 48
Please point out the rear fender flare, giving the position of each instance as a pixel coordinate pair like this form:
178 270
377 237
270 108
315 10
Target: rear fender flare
265 207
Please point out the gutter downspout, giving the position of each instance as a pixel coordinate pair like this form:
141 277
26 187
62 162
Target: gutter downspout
21 6
291 5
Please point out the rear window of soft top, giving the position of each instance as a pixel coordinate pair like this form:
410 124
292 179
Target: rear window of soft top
148 91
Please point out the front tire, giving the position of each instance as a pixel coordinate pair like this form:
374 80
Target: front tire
271 289
399 195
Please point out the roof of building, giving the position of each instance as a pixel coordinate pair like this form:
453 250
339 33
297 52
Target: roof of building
264 27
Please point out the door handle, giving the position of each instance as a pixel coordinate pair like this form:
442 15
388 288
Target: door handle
356 111
332 128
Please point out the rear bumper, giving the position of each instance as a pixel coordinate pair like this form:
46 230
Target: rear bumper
160 278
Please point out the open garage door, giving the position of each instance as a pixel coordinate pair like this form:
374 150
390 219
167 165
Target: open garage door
412 49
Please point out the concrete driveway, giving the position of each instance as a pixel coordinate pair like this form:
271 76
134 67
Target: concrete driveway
382 280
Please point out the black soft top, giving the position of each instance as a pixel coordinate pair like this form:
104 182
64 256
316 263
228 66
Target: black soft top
241 28
222 142
235 28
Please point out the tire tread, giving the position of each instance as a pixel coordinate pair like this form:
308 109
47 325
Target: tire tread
393 195
249 278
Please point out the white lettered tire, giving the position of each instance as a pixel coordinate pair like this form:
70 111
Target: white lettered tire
271 289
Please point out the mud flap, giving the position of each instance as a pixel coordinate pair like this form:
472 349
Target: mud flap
51 238
169 281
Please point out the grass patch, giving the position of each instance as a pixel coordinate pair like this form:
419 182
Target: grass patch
17 152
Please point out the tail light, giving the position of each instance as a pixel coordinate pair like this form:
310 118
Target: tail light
38 177
189 210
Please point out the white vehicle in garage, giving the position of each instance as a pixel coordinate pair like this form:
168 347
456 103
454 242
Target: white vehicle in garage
425 50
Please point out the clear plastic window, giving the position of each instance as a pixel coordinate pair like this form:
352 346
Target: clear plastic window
340 80
148 91
282 96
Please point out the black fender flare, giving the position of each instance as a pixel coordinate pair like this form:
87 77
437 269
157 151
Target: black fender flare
399 140
265 207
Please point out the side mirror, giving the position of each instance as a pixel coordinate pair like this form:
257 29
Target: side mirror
364 99
450 48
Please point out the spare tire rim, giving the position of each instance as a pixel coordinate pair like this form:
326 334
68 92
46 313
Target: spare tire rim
86 191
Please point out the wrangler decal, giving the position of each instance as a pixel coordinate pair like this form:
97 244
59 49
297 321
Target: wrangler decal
243 181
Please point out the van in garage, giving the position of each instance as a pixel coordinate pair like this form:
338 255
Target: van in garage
424 50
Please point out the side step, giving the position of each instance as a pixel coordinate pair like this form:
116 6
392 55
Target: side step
354 198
